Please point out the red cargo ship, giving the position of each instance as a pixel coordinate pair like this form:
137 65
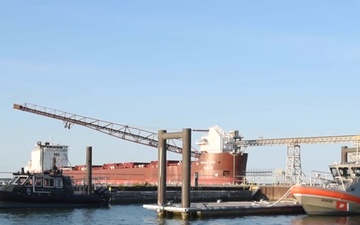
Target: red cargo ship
218 164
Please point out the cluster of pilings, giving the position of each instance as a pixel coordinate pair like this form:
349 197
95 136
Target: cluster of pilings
185 135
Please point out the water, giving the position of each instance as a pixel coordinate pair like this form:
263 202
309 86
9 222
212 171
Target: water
136 214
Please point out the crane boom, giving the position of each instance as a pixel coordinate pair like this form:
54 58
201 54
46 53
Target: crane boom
151 139
117 130
300 140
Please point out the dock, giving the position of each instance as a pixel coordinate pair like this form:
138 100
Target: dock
227 209
187 210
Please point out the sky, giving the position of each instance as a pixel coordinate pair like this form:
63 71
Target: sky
269 69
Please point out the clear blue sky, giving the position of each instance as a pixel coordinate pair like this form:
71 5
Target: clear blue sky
266 68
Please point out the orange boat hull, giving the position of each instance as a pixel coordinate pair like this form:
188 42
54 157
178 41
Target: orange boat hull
324 201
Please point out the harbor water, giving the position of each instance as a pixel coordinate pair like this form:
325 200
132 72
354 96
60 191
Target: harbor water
136 214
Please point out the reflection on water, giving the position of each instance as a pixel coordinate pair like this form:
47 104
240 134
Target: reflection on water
326 220
36 212
51 216
136 214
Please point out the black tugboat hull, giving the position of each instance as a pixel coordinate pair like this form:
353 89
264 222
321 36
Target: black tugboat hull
44 200
20 205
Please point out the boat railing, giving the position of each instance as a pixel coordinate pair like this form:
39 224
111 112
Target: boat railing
321 178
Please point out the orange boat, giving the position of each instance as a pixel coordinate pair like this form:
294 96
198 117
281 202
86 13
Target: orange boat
218 164
339 197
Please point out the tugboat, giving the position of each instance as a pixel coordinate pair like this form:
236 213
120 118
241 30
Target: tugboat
49 189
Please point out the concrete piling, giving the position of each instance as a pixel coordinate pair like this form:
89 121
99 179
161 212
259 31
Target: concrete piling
89 169
186 168
162 168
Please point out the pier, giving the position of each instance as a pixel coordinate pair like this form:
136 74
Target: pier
268 200
227 209
186 210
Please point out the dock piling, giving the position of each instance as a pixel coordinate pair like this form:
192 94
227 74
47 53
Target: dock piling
89 169
162 168
185 135
186 168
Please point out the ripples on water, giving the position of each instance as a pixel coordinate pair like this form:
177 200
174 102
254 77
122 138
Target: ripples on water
136 214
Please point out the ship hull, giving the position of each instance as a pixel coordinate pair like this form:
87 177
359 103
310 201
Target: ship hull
208 169
318 201
10 201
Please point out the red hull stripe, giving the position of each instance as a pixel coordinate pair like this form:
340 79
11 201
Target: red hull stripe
322 192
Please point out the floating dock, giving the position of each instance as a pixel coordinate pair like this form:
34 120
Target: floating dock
187 210
225 209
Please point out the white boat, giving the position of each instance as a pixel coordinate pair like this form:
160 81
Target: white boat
339 197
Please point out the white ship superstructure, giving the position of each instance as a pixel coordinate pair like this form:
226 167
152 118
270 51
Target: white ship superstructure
43 157
217 141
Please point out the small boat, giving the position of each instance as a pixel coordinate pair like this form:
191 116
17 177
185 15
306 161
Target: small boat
49 189
339 197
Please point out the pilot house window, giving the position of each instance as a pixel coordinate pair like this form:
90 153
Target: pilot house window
58 182
48 182
356 171
334 171
38 181
344 172
29 182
